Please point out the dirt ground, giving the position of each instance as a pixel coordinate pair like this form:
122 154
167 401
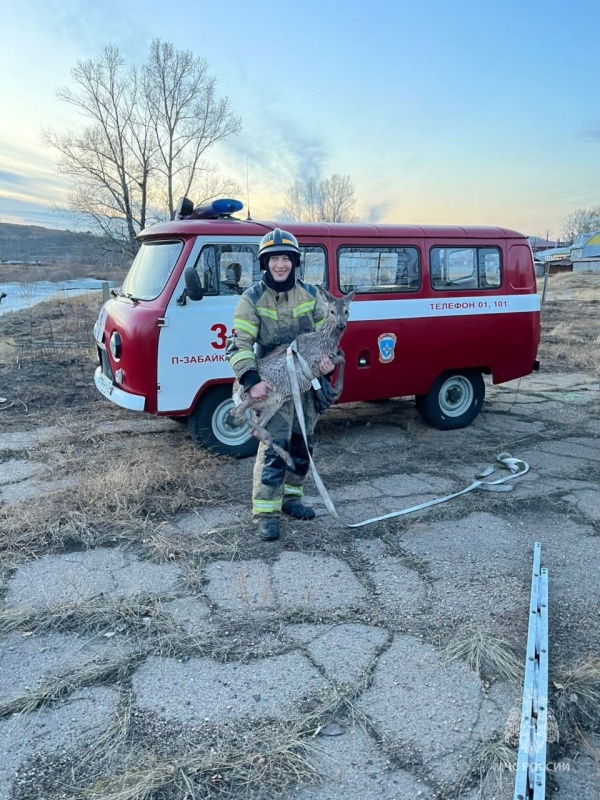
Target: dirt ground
152 647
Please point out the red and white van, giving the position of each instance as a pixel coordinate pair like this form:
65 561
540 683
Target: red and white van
436 307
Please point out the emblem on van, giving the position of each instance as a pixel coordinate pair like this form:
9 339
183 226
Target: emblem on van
386 343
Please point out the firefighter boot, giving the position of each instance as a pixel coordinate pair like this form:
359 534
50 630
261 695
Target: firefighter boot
295 508
268 528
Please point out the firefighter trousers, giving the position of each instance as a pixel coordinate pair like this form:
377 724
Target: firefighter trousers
273 481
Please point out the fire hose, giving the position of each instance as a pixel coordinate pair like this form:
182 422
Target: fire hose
515 466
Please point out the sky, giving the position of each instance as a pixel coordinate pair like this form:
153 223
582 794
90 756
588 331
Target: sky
464 112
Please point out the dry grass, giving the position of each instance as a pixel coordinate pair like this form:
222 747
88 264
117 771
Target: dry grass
89 675
280 761
134 614
53 330
117 498
571 323
578 286
486 655
267 761
113 740
493 766
576 697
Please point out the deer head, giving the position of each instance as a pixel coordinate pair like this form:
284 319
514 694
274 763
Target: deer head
338 310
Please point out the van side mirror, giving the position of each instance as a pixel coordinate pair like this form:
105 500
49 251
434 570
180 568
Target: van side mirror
193 284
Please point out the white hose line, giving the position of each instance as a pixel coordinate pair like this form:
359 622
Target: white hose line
516 466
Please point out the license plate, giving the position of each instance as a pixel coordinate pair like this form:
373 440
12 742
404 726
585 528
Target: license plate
105 385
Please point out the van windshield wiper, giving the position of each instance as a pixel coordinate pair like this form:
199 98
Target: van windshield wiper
127 295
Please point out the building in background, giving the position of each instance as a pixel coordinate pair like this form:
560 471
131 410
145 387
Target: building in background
581 256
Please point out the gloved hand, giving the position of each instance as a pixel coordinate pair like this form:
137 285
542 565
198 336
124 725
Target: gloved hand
323 397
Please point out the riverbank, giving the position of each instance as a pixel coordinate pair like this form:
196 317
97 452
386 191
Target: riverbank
25 295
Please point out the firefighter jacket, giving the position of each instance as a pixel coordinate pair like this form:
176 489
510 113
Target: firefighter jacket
268 319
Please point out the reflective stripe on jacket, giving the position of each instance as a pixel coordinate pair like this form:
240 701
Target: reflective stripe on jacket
269 319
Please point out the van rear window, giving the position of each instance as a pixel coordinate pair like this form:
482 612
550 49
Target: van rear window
462 268
379 269
151 269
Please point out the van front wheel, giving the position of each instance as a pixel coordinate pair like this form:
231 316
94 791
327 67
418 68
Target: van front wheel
209 425
454 400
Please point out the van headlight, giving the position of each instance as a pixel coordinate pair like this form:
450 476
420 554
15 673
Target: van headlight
115 345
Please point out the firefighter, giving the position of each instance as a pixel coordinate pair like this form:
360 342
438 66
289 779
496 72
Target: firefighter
271 313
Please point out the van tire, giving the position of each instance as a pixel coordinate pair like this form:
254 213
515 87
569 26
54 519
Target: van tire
209 428
454 400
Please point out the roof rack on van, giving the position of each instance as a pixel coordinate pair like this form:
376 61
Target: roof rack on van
215 210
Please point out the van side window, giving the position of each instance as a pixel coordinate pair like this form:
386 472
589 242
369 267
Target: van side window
379 269
313 265
227 268
465 268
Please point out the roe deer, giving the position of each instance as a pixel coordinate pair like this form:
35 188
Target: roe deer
273 369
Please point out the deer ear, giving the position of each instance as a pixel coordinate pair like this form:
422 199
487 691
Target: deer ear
350 296
329 296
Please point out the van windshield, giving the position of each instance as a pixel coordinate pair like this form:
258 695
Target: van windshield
151 269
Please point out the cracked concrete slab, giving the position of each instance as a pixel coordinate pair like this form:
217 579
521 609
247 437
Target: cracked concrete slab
352 767
18 441
562 381
496 423
315 583
552 411
479 541
53 580
558 465
353 512
304 632
472 563
403 485
587 449
578 777
34 488
399 591
346 651
443 722
209 520
15 470
27 662
202 690
588 502
190 613
83 717
240 586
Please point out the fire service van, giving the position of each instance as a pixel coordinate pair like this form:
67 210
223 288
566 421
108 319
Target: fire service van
435 309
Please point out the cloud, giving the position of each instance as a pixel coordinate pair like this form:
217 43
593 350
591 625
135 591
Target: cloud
21 212
591 134
29 174
12 178
277 155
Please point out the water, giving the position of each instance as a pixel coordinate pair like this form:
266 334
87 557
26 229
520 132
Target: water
26 295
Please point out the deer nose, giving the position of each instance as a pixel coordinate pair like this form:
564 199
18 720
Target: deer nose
341 326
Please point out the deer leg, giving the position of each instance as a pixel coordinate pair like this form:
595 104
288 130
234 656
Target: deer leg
339 383
263 435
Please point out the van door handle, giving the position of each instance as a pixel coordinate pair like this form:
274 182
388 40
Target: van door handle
163 322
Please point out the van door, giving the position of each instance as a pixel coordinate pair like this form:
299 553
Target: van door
385 343
193 336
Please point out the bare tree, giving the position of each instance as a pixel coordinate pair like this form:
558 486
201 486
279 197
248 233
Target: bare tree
329 200
146 135
583 220
185 114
